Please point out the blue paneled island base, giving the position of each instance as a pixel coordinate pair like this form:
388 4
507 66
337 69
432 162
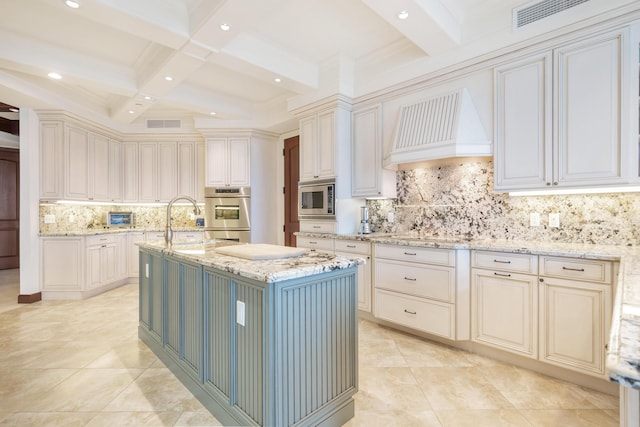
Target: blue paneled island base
255 352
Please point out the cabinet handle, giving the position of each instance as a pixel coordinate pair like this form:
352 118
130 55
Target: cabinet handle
316 226
410 253
573 269
351 246
313 243
102 240
501 262
410 312
409 278
502 275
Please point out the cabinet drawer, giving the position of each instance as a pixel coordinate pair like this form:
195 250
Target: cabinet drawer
153 235
414 279
519 263
354 246
415 254
315 243
429 316
191 236
318 226
573 268
101 239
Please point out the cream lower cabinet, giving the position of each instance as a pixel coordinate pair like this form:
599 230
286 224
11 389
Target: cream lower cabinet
62 271
133 255
504 308
575 312
106 259
349 248
416 287
319 244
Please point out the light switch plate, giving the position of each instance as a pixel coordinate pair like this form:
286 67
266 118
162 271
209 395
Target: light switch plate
49 219
240 315
554 220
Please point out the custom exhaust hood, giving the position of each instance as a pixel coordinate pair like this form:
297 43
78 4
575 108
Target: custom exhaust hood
437 128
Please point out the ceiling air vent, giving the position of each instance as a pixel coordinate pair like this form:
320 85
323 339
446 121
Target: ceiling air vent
533 12
164 124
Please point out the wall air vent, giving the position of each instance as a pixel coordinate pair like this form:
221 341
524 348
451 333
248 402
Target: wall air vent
164 124
532 12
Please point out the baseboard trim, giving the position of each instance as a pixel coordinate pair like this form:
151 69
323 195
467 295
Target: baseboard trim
29 299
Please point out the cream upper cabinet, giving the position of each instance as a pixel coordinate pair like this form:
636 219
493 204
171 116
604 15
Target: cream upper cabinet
76 164
317 146
157 171
51 159
130 171
559 117
99 156
188 159
368 178
115 171
228 162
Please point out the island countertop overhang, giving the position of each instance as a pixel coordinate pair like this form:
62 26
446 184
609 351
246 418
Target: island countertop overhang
267 271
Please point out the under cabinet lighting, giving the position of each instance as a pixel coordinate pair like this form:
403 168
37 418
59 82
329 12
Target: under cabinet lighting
93 203
569 191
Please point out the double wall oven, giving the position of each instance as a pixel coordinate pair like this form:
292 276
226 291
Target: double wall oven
228 213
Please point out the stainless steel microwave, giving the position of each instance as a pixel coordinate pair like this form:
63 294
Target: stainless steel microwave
316 199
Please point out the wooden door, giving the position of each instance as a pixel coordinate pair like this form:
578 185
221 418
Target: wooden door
9 208
291 177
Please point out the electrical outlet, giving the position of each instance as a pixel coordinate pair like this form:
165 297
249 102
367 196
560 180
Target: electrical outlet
391 217
534 219
554 220
71 218
49 219
240 315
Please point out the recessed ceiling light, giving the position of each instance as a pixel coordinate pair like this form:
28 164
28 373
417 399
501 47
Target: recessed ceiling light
54 75
277 80
147 97
168 78
403 14
72 4
213 113
14 110
225 27
131 112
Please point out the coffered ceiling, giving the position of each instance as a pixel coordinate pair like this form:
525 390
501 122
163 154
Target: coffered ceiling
114 56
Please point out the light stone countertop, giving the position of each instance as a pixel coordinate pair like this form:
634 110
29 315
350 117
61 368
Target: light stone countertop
623 352
102 230
267 271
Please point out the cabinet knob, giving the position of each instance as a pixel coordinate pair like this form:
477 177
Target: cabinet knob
548 184
555 183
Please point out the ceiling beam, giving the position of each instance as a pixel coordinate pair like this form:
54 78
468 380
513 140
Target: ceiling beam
429 24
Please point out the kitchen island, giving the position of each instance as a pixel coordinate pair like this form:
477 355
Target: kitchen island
258 342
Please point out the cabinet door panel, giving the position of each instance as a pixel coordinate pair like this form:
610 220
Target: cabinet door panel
51 160
589 109
308 148
167 171
523 124
326 145
239 162
505 311
76 164
148 172
115 171
364 281
93 267
130 172
366 159
575 317
217 315
99 172
216 172
187 169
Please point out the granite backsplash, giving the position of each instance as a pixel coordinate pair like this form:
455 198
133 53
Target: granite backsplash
73 218
457 200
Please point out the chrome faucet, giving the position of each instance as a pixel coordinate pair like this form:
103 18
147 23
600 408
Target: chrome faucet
168 232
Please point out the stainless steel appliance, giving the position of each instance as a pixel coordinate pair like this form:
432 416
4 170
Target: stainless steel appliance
228 213
317 199
119 219
365 228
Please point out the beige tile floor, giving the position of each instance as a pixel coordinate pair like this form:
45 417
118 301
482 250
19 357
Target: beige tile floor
79 363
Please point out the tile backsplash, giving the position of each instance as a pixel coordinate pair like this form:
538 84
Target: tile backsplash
70 218
457 200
